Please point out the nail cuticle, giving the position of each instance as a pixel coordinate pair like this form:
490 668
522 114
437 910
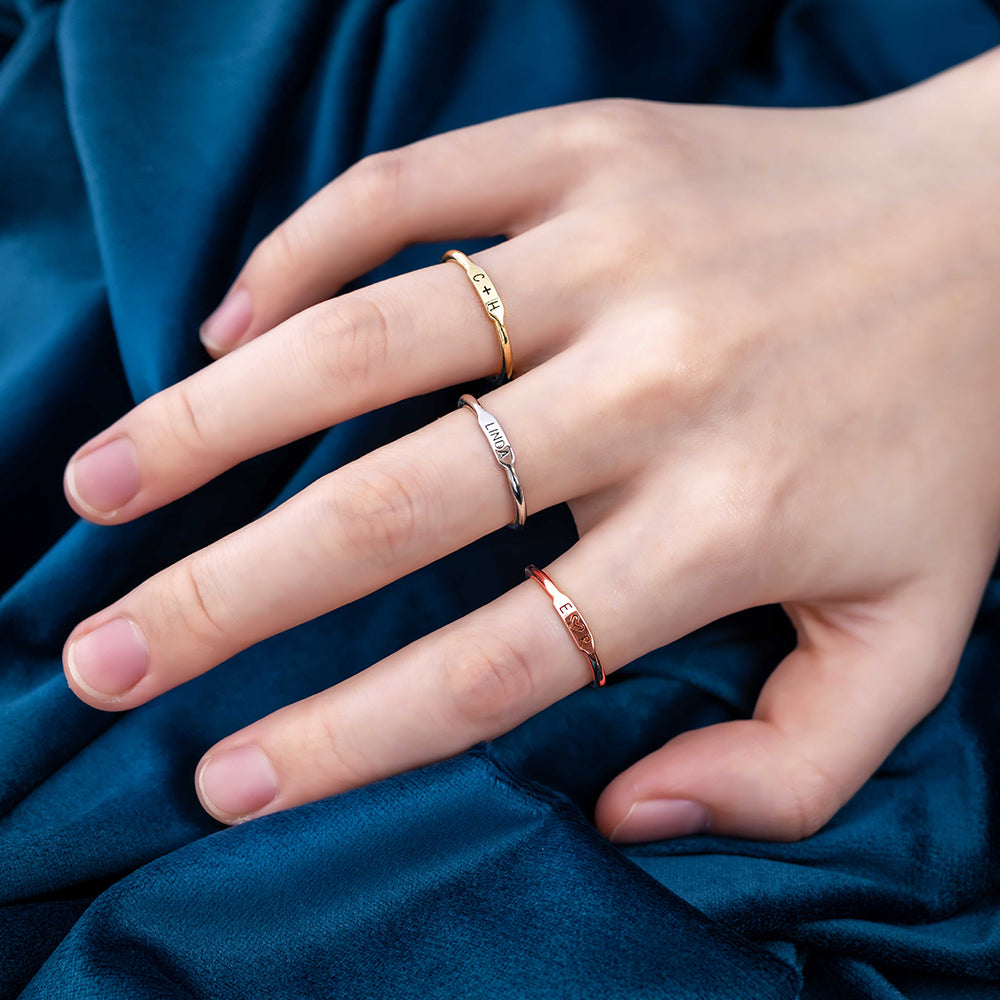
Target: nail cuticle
104 515
244 779
109 480
127 657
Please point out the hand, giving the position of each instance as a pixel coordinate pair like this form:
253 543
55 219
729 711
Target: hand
756 352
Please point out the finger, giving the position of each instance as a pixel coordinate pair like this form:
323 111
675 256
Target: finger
828 716
470 681
481 181
344 536
400 338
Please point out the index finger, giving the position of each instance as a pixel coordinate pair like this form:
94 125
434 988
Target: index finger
481 181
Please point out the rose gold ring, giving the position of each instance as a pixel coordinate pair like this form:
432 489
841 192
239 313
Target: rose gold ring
578 629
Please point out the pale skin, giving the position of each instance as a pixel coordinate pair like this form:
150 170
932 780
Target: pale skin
757 351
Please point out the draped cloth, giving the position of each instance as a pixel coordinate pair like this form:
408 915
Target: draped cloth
145 148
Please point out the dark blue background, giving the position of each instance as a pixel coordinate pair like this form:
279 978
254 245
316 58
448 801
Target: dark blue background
144 149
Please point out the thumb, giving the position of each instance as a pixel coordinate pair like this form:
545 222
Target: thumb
833 710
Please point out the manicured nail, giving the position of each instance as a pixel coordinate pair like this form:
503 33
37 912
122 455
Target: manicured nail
658 819
238 782
105 479
109 660
229 322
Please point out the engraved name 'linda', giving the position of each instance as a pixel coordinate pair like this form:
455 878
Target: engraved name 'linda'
500 445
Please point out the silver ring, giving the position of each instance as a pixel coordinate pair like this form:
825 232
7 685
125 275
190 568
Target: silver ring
503 453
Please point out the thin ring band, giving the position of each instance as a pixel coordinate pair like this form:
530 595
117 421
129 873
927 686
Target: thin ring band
503 453
575 624
493 305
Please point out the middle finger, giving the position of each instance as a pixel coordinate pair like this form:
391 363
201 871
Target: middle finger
345 535
400 338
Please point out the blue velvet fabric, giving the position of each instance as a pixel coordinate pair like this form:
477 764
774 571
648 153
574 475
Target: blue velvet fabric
144 149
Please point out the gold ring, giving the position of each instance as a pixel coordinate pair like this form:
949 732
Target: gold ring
483 284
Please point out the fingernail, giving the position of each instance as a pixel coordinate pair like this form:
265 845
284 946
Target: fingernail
109 660
238 782
105 479
658 819
229 322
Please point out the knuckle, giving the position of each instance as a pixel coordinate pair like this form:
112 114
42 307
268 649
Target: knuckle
328 746
641 138
694 382
687 383
185 419
281 249
490 681
811 798
347 342
374 184
192 601
284 249
602 124
379 512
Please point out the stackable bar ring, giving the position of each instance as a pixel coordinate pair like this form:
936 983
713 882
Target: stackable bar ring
575 623
503 453
493 305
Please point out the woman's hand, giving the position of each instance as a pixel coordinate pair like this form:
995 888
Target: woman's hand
756 350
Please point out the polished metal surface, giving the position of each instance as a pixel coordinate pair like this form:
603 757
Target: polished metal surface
502 451
575 624
493 305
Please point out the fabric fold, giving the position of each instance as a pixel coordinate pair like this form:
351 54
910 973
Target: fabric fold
144 150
